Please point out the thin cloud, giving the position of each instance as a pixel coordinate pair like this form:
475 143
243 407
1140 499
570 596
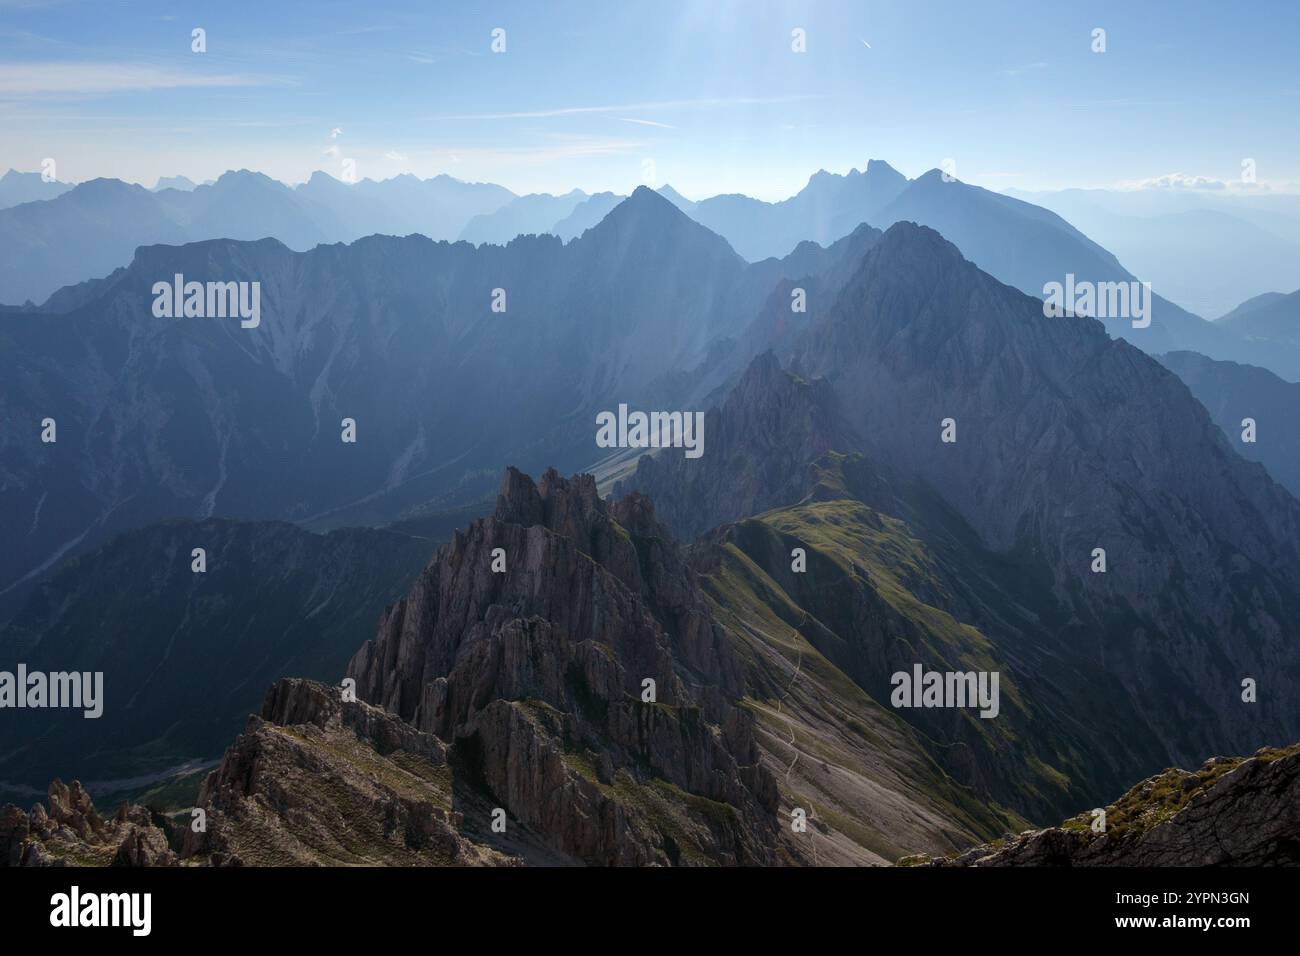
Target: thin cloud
357 31
27 79
1183 182
1175 181
1028 67
644 122
634 108
428 57
488 158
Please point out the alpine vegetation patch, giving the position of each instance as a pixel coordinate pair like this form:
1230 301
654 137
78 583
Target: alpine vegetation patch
922 688
208 300
1098 300
651 430
36 689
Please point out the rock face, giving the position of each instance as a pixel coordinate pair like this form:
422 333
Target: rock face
70 832
1231 812
538 673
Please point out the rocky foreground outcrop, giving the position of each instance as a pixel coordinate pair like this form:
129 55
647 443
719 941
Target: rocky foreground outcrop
318 780
68 831
1231 812
313 780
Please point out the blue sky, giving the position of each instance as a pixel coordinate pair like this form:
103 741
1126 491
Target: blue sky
706 96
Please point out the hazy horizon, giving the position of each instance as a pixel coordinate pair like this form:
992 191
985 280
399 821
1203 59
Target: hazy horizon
1170 184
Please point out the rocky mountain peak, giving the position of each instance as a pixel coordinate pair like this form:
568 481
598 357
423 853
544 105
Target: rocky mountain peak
916 252
102 190
567 505
882 168
650 219
238 177
553 602
930 179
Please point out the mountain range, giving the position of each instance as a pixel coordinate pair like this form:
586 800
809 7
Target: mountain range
1019 243
95 227
906 464
397 334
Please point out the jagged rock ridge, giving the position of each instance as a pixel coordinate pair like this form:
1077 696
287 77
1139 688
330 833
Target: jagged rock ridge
535 677
68 831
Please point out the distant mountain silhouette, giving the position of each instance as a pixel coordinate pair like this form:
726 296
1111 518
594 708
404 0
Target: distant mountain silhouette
829 207
83 234
535 213
438 208
676 198
183 183
1253 303
1206 249
96 227
1026 246
1272 318
17 188
585 215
